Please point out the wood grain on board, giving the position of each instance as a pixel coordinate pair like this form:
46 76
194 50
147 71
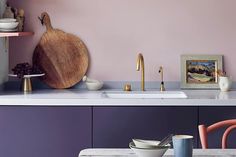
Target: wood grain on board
61 56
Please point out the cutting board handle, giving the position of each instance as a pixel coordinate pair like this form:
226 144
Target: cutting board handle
45 20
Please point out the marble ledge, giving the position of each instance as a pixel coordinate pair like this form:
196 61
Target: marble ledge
76 97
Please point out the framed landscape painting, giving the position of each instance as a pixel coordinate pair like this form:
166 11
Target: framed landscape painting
200 71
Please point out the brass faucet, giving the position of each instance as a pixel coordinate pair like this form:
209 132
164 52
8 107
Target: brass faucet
162 88
140 62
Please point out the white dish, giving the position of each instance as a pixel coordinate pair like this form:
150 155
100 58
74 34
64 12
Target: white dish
149 152
8 30
92 84
7 20
9 26
145 143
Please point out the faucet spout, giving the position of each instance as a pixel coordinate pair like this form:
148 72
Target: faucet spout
161 72
140 66
162 88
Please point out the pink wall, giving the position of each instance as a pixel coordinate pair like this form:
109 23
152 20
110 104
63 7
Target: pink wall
116 30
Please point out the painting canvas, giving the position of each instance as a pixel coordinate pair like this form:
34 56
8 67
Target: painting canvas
200 71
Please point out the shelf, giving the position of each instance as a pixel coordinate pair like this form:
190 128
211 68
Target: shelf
15 34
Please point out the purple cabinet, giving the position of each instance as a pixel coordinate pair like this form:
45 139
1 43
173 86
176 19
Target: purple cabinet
116 126
64 131
44 131
210 115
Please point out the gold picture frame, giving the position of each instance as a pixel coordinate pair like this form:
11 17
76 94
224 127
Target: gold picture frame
200 71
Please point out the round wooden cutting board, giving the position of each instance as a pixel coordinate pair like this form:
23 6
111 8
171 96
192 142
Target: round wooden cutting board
61 56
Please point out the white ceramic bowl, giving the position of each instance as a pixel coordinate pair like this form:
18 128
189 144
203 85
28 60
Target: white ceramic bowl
96 85
145 143
149 152
11 25
7 20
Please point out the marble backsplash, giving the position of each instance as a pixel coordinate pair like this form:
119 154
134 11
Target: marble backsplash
15 85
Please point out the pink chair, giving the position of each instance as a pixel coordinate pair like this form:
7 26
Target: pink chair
203 131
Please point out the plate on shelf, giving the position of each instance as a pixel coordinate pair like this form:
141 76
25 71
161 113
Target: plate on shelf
8 26
7 20
8 30
27 76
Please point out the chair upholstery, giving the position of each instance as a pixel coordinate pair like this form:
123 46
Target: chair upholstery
204 131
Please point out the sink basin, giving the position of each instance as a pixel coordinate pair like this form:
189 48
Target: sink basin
146 95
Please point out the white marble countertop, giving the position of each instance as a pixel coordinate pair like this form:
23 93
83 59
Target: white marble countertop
169 153
96 98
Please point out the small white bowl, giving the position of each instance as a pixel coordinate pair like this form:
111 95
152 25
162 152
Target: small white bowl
7 20
149 152
145 143
11 25
93 86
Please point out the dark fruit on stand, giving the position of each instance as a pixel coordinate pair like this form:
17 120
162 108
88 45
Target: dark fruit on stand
25 69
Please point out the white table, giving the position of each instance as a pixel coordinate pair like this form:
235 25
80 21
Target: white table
169 153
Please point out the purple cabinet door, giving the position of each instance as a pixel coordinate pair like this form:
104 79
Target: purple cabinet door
210 115
44 131
116 126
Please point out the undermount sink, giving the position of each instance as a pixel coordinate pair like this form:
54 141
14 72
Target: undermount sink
146 95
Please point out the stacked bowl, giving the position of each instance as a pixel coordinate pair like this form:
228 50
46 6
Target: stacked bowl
8 25
148 148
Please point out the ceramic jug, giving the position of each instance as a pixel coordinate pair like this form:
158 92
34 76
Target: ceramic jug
225 83
8 13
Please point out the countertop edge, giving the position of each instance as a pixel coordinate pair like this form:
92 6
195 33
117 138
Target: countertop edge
96 98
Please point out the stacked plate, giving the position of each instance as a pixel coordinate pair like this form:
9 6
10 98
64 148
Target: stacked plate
8 25
148 148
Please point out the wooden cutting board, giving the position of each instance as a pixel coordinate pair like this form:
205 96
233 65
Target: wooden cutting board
61 56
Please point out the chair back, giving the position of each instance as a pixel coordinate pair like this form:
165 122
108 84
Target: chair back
204 131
